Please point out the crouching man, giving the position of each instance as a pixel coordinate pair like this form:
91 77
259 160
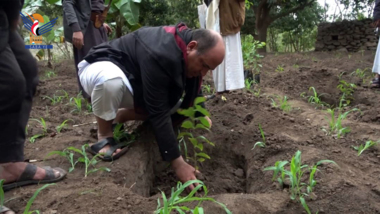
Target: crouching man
143 75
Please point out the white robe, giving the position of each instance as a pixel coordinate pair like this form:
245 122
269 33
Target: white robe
229 75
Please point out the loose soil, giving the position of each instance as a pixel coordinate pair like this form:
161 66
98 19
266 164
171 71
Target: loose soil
234 175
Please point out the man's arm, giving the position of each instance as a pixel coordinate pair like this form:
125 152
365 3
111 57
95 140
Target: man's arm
70 15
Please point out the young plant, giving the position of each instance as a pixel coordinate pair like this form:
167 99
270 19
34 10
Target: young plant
69 154
283 105
260 143
61 126
195 123
251 57
30 202
50 74
279 69
55 99
77 103
295 176
347 90
174 202
335 124
120 135
207 88
315 99
365 146
249 83
44 130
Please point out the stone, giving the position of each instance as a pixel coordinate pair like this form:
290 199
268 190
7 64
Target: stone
239 173
371 44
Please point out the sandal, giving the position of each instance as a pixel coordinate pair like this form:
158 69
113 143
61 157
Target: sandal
4 209
375 83
26 177
108 156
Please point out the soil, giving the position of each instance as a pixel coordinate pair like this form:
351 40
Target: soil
235 174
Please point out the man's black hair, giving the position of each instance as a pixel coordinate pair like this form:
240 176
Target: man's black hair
206 40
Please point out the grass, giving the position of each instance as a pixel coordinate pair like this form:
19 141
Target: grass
30 201
44 130
296 177
175 201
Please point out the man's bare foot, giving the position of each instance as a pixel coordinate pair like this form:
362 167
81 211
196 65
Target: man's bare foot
11 172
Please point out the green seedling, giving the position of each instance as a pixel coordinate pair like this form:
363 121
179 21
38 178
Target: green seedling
315 99
195 123
279 69
284 105
120 135
83 158
30 202
44 130
207 88
295 176
174 202
251 56
55 99
335 124
347 90
360 73
365 146
77 103
296 66
50 74
249 83
61 126
260 143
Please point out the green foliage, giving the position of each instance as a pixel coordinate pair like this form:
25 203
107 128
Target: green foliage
347 90
61 126
260 143
315 98
207 89
192 124
365 146
335 124
69 154
251 57
295 176
283 103
31 200
174 202
77 103
44 130
279 69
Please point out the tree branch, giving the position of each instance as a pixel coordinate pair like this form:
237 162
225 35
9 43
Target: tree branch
300 7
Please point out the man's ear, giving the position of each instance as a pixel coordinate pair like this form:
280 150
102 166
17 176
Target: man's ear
192 45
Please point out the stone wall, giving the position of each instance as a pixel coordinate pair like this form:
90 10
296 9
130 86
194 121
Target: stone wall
346 35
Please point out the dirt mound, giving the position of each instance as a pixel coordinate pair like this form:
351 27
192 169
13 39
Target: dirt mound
234 175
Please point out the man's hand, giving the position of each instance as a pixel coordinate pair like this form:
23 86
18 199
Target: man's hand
184 171
209 121
108 28
78 39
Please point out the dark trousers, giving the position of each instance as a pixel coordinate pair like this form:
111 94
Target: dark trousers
18 82
91 38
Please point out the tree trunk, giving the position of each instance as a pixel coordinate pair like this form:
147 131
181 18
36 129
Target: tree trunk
262 36
50 65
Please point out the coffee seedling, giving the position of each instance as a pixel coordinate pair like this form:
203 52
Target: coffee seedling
295 177
193 124
261 144
347 90
174 202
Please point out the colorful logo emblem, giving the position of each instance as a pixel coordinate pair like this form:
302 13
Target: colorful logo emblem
32 24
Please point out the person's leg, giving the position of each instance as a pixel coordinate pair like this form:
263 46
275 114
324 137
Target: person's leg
376 68
17 86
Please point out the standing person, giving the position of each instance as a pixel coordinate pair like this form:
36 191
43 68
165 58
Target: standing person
376 63
84 27
227 17
18 82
